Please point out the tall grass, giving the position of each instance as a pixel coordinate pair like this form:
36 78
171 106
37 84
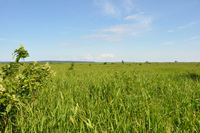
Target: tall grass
156 97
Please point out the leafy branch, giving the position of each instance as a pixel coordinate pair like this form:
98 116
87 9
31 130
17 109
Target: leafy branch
20 53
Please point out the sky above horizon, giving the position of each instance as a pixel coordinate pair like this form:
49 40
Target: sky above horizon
101 30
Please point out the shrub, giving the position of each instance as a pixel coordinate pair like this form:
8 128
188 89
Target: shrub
19 86
20 53
147 62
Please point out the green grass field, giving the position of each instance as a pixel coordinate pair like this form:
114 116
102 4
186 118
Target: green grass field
130 97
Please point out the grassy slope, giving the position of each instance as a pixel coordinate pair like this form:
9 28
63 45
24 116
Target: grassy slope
162 97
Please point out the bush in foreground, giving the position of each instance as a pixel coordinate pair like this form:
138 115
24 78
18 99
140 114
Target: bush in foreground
20 84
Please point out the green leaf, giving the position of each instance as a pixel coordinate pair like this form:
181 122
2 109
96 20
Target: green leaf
2 113
2 100
8 108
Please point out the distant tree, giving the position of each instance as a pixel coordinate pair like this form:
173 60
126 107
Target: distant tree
175 61
105 63
147 62
20 53
122 62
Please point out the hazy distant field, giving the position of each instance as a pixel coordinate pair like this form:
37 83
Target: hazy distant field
133 97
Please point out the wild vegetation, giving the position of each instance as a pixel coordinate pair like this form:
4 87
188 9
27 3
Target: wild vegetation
128 97
20 84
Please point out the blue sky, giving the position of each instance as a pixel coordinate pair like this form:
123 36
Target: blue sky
101 30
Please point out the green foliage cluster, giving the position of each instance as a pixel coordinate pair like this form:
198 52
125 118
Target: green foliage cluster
19 86
20 53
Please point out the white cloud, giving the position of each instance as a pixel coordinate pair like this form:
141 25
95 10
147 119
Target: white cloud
61 58
195 37
170 31
128 5
88 57
102 56
75 58
139 23
131 17
107 7
182 27
140 18
122 28
188 25
99 57
105 37
131 26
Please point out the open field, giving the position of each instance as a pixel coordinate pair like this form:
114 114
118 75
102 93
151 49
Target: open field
130 97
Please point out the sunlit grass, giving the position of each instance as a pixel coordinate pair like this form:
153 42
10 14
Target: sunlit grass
130 97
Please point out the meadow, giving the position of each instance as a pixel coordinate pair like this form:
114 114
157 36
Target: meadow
116 97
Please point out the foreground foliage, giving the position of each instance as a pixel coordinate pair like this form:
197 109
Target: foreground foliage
20 84
20 53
